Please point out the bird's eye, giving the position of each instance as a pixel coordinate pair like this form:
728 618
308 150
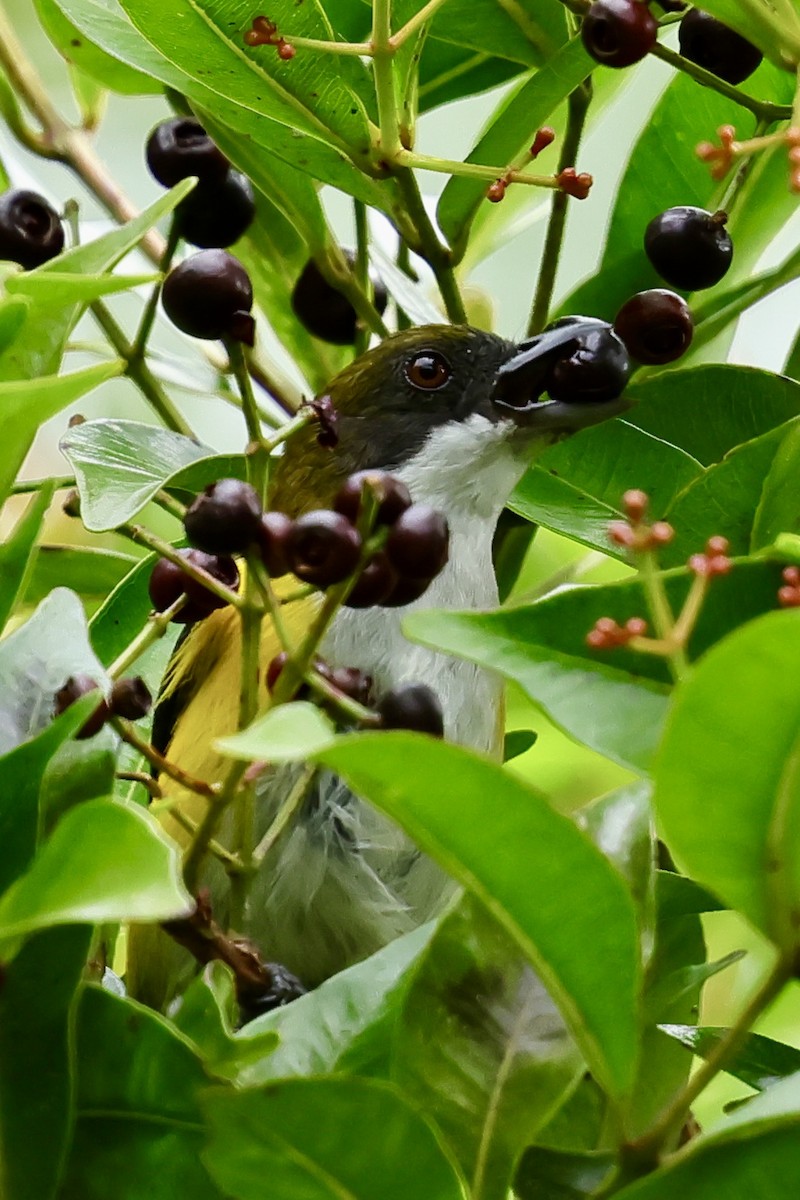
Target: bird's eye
428 370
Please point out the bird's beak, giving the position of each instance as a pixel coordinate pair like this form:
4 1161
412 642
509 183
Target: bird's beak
520 382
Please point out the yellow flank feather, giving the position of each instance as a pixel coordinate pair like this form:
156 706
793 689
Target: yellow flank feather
206 668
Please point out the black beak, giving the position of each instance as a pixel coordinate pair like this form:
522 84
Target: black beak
521 382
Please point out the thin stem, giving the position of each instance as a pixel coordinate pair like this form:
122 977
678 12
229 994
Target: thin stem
383 72
143 537
354 49
452 166
437 255
661 613
362 268
157 625
345 704
231 862
250 616
646 1149
287 810
204 833
147 782
140 373
411 26
163 765
404 263
139 344
764 110
687 617
170 504
577 109
24 487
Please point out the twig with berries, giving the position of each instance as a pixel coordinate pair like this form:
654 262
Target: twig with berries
643 539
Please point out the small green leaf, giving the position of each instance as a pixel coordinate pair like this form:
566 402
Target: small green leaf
778 511
288 733
547 1174
18 553
87 570
346 1024
78 50
123 613
708 410
752 1151
518 861
27 403
105 861
577 487
481 1047
37 1062
207 1015
62 288
759 1063
517 742
139 1131
120 465
621 825
326 1139
730 817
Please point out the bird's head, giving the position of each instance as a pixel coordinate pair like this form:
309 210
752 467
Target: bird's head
456 412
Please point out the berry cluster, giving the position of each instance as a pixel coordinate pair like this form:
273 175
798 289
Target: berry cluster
222 206
714 560
635 534
264 32
128 698
606 634
619 33
412 706
31 232
393 548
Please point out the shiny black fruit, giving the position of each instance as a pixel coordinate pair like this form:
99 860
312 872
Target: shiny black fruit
412 706
216 214
689 247
326 312
225 518
618 33
209 296
656 326
706 41
168 582
30 230
180 147
322 548
593 369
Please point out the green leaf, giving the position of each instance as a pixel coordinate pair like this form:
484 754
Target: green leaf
709 410
547 1174
315 93
753 1151
510 129
777 510
120 465
26 404
727 499
36 659
517 742
621 825
288 733
207 1016
481 1047
87 570
105 861
18 553
760 1062
730 818
518 863
139 1130
527 32
123 613
82 53
67 287
324 1139
685 980
37 1002
577 487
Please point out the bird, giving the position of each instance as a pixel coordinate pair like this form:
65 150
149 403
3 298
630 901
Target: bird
457 414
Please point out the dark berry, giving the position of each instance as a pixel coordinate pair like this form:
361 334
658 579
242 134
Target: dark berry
275 668
325 311
689 247
618 33
216 214
74 689
130 698
30 230
412 706
283 989
406 591
208 294
181 147
374 584
706 41
391 494
168 582
225 518
274 529
418 542
593 369
352 682
656 326
322 548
